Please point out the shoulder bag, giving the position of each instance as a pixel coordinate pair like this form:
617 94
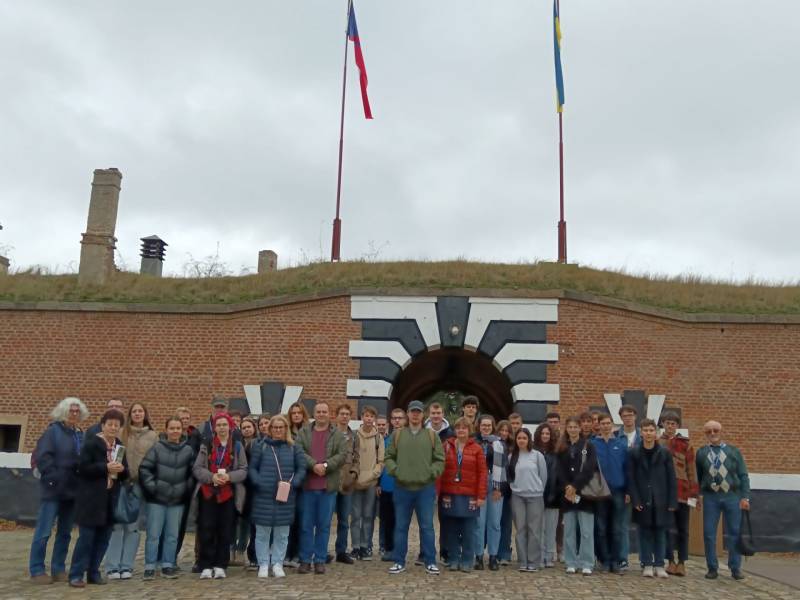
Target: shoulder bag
597 488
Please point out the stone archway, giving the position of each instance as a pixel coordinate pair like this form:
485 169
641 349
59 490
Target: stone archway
454 369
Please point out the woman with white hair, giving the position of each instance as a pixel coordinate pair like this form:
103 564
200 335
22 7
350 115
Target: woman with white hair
56 458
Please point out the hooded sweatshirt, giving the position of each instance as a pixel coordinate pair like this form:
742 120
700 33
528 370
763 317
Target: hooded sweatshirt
370 457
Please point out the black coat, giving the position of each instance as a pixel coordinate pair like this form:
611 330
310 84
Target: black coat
552 497
166 472
94 501
57 455
571 473
652 486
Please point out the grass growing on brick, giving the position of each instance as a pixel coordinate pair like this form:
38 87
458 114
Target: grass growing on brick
685 293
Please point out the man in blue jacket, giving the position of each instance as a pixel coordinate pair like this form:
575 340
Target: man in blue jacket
611 517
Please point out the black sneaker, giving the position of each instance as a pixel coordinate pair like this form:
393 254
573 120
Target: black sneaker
737 575
712 575
196 568
355 554
149 575
366 554
479 563
388 556
344 557
169 572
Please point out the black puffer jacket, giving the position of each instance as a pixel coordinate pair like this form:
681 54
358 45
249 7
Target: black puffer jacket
166 472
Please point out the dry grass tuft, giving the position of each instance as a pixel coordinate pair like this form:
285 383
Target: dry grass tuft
685 293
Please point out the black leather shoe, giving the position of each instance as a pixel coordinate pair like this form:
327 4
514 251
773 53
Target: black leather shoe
344 557
493 564
479 563
712 575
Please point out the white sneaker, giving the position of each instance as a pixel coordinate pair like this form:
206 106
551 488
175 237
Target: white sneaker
125 574
206 574
113 575
219 573
647 572
570 570
586 571
661 572
263 571
277 571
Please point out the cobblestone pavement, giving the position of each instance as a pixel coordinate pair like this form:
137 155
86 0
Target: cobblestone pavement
370 580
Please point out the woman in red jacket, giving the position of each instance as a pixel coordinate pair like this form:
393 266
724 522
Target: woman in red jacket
462 492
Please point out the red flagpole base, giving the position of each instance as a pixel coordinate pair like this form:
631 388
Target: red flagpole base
337 239
562 242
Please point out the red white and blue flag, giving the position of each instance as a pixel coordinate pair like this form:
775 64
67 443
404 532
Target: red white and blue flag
352 34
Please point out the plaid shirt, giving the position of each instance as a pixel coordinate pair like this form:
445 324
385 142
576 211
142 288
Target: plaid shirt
685 469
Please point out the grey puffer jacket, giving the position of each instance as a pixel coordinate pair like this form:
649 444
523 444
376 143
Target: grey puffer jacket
165 472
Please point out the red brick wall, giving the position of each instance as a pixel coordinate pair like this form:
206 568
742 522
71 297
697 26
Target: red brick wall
168 360
747 376
744 375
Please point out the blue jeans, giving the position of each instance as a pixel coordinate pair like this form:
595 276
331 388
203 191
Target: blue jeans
461 541
652 545
344 506
487 530
506 520
167 519
625 533
274 554
363 518
315 524
88 552
727 505
583 521
609 516
405 503
125 539
49 510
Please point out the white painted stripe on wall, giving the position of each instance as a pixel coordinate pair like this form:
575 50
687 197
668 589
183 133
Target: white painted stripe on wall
614 403
787 482
422 309
394 351
373 388
253 395
655 403
514 351
538 392
485 310
291 394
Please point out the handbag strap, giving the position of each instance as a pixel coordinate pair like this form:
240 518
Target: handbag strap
278 464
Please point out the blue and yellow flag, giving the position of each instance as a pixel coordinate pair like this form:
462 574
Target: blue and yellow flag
557 54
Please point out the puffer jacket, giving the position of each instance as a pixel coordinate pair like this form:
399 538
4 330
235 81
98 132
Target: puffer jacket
165 474
262 473
474 474
137 441
370 458
57 454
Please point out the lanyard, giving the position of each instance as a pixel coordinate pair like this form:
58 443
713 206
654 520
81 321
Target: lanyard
220 455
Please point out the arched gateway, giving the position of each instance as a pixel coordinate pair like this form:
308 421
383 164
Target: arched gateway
494 348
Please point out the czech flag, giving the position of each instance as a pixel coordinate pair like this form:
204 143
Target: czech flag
352 34
557 53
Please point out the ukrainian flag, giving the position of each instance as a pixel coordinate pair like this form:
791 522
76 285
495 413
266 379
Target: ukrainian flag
557 54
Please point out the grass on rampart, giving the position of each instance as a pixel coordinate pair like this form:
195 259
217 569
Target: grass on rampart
685 293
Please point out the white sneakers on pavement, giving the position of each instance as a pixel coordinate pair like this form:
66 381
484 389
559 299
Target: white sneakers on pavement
263 571
277 571
206 574
647 572
219 573
661 572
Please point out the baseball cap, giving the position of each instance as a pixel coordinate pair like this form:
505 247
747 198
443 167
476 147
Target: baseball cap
415 405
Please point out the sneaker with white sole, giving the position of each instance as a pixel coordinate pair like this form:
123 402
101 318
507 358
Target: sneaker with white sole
647 572
126 574
219 573
263 571
571 570
206 574
112 575
396 569
291 564
277 571
432 569
661 572
586 571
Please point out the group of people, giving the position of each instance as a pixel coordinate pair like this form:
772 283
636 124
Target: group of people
263 491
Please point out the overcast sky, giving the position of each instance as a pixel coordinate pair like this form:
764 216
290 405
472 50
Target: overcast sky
682 131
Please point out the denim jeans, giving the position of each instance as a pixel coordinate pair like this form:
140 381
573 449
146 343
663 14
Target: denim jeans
406 502
88 552
166 520
363 518
461 541
625 533
506 520
550 524
49 510
528 518
274 554
242 534
609 516
487 530
124 541
652 542
315 524
579 521
727 505
344 506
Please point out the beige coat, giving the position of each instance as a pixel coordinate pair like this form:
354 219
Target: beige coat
137 441
370 458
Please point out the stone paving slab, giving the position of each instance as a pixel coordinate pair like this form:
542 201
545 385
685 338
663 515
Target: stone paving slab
370 580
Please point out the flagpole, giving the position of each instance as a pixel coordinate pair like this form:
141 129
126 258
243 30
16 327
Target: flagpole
562 224
337 222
